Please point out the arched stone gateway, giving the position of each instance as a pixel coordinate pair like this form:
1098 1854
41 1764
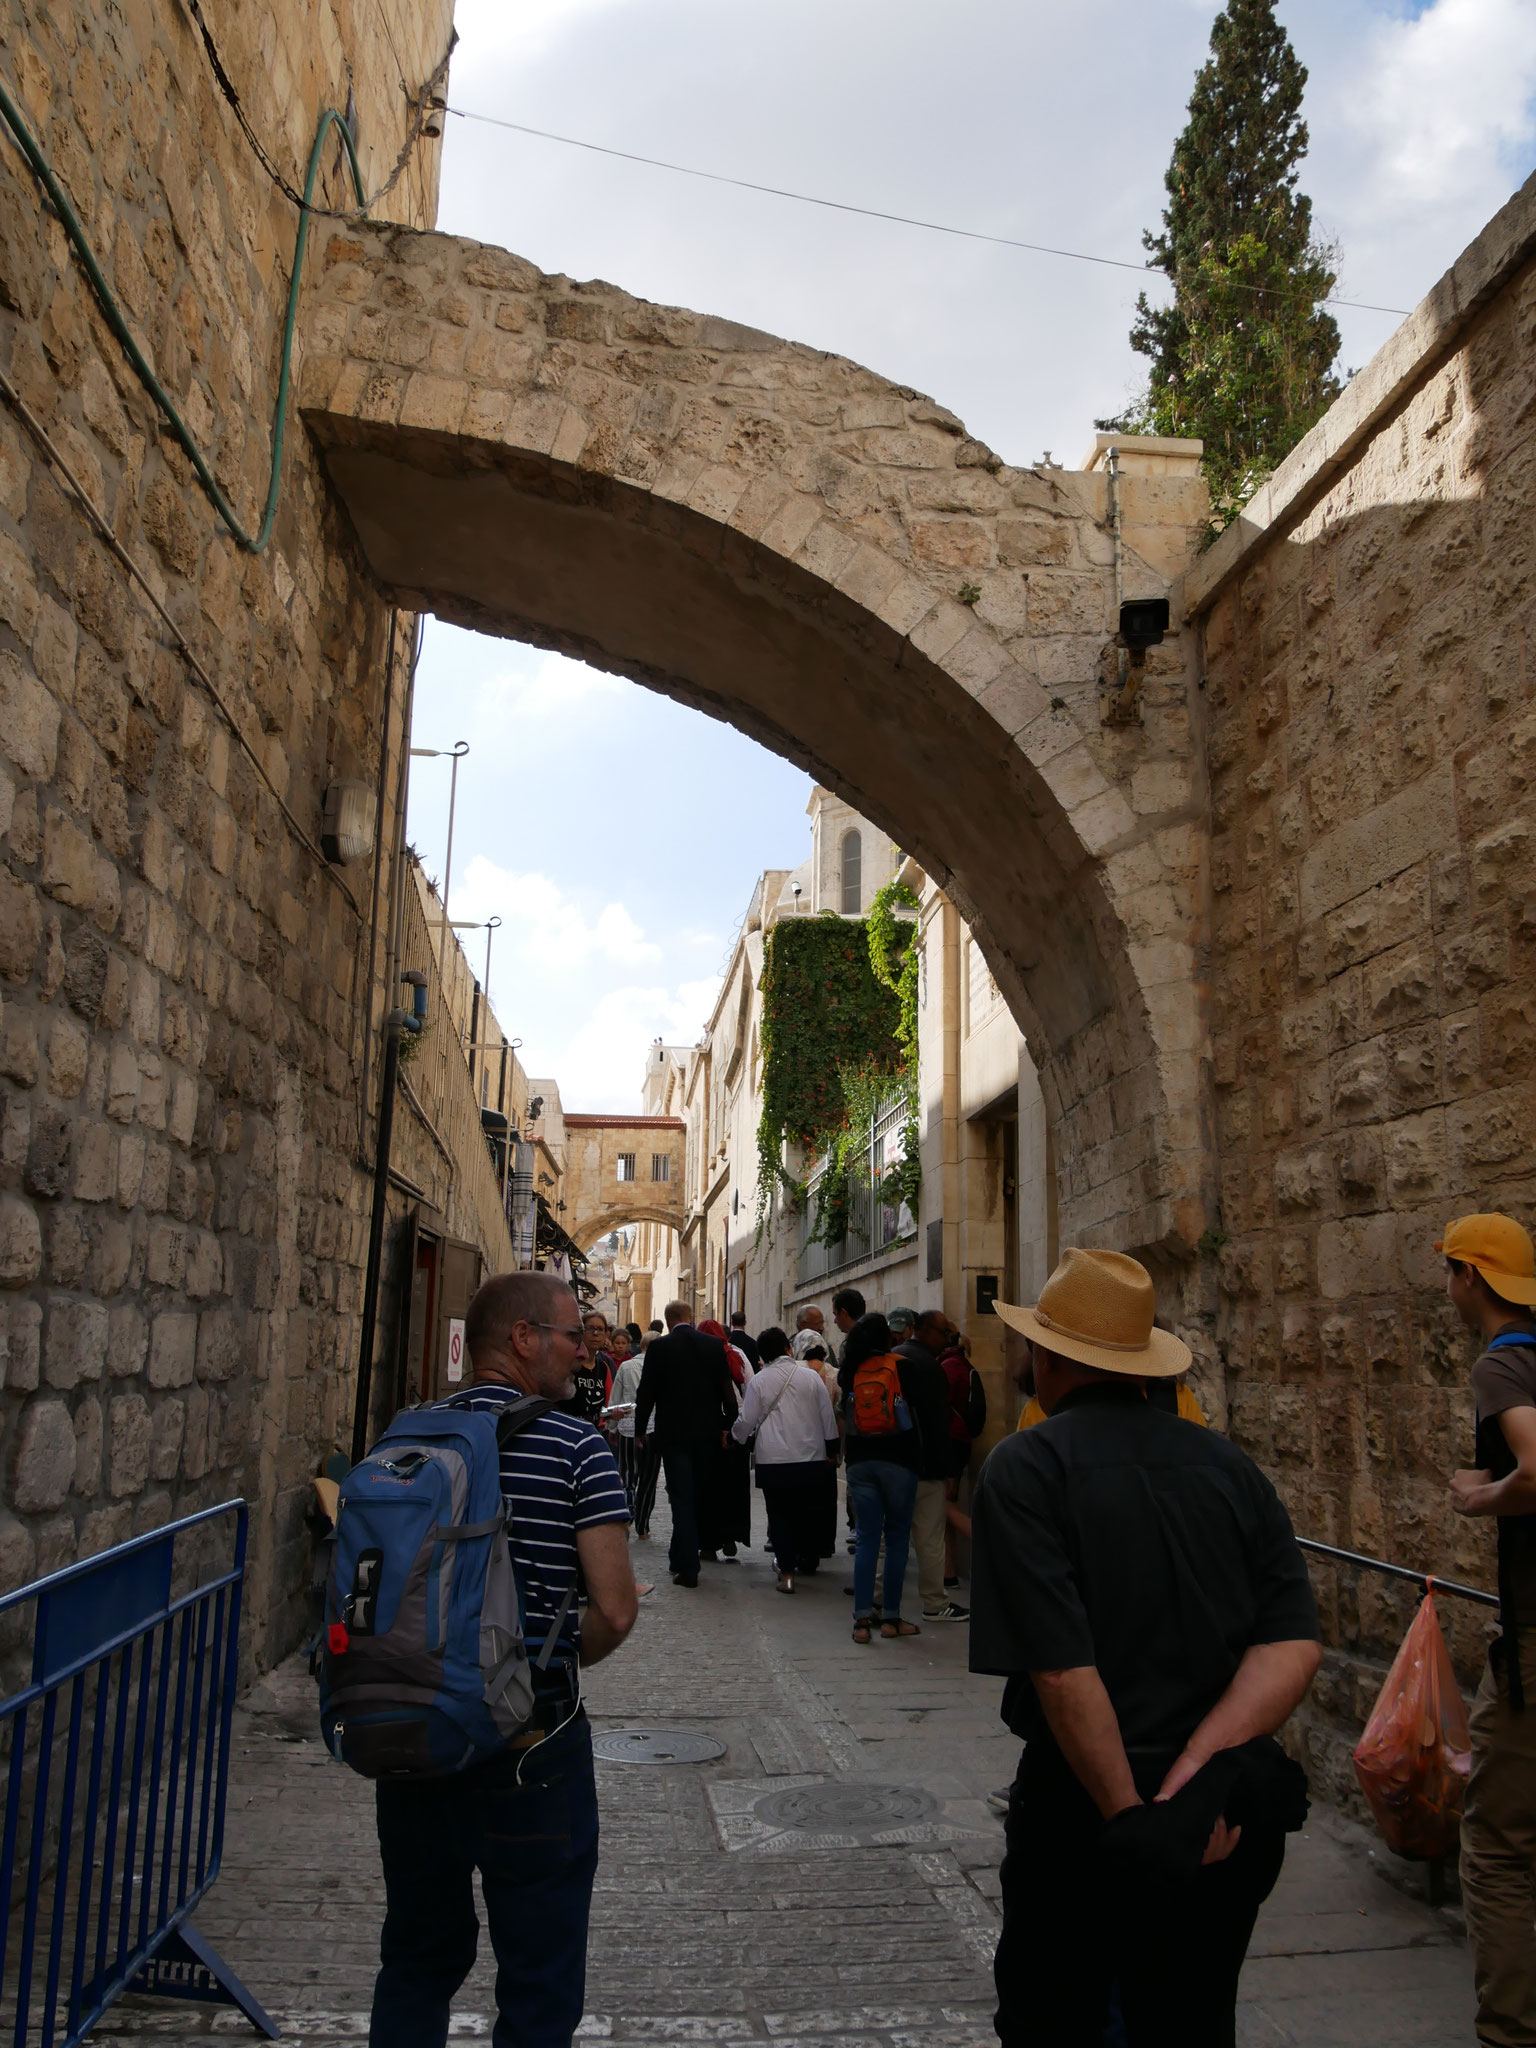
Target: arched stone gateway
787 541
622 1169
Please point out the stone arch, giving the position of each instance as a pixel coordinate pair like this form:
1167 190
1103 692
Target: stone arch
597 1223
828 561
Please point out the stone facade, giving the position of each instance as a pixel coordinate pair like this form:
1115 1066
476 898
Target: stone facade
778 536
184 978
619 1170
1370 660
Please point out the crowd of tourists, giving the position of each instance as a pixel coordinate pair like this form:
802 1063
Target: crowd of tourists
1136 1583
723 1415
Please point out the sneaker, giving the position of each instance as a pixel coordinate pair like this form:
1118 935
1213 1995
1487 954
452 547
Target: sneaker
998 1801
948 1612
950 1584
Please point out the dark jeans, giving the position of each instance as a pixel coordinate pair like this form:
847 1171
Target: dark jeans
639 1468
1176 1948
681 1462
882 1496
535 1846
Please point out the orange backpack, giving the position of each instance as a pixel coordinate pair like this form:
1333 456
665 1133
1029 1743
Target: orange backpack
877 1405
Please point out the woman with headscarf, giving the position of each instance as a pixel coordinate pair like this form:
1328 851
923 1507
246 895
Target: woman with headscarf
724 1485
787 1409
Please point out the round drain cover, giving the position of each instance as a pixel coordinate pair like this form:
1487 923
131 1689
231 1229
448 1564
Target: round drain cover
655 1746
846 1809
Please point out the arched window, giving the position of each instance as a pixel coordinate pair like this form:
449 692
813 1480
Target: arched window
853 874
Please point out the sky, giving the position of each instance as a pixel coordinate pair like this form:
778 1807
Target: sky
618 835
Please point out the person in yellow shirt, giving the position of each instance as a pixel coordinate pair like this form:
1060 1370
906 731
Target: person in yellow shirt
1188 1408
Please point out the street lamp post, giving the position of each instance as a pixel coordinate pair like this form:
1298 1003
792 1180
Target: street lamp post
455 753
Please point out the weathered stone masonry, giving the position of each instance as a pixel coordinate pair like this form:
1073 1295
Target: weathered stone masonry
1370 656
183 987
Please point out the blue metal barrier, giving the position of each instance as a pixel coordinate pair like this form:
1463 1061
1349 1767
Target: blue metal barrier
134 1658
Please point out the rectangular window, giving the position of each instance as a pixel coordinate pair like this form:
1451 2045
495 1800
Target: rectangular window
626 1166
661 1166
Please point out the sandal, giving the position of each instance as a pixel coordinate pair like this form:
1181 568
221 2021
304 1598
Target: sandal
861 1631
897 1627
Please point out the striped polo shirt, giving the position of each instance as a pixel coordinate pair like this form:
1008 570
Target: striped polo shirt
557 1476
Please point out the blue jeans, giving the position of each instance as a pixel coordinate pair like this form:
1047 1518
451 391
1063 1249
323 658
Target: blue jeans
535 1846
680 1462
882 1497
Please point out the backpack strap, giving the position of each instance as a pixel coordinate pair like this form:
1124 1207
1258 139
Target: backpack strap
516 1416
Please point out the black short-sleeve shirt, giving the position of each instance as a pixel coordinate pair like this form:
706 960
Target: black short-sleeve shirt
1116 1534
1502 1379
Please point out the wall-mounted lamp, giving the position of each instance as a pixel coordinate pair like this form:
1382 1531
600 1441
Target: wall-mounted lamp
1143 622
348 822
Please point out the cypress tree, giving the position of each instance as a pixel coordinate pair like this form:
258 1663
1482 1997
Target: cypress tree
1243 357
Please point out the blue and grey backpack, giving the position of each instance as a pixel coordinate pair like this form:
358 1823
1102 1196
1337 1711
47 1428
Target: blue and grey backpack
424 1668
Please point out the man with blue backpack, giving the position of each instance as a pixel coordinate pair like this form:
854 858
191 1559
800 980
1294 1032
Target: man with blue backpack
452 1671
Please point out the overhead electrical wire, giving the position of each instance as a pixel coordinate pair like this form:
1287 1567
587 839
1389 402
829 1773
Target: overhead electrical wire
932 227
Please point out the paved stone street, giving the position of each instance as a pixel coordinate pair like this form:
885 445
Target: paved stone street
831 1879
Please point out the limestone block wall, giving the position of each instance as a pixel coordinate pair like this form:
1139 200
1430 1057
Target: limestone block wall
1370 666
184 983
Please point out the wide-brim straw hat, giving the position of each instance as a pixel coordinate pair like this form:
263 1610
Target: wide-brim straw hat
1097 1308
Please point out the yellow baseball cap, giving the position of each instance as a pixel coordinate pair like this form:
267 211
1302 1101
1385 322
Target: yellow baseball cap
1500 1250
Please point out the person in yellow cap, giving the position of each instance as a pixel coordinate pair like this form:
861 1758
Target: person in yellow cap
1138 1585
1491 1279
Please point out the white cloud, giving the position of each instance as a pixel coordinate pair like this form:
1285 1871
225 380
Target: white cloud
554 687
603 1062
542 926
1445 106
522 27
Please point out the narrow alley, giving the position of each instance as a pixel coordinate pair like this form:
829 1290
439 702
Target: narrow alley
828 1878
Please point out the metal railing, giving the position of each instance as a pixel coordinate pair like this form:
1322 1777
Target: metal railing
872 1224
1430 1581
454 1164
117 1770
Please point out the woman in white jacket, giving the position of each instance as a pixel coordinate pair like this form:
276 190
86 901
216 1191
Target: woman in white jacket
787 1408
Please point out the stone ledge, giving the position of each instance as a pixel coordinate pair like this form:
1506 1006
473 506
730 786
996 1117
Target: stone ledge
1428 334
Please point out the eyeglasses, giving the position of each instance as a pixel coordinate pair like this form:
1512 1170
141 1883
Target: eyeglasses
572 1336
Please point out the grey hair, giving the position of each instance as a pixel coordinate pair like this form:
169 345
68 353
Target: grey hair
510 1298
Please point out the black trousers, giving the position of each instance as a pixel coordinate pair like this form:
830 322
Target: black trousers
1070 1933
639 1468
681 1463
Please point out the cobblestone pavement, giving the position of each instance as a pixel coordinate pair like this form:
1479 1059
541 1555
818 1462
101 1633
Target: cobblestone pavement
829 1882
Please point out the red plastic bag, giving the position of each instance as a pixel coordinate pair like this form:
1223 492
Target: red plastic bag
1415 1755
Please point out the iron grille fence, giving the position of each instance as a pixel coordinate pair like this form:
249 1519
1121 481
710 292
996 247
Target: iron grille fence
873 1224
116 1751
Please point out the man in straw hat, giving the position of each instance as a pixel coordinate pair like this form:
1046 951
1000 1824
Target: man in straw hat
1136 1581
1491 1279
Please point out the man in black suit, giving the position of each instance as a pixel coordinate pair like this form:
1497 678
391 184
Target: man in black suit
746 1345
687 1382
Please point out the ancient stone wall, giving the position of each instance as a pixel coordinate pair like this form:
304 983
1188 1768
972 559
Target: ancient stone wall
1370 663
185 983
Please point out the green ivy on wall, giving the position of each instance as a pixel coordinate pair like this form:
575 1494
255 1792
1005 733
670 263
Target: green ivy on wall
825 1015
893 955
839 1036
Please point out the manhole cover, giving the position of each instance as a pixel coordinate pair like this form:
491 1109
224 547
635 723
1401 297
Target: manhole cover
655 1746
846 1809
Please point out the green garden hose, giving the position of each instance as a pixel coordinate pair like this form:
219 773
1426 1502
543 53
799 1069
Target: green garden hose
113 314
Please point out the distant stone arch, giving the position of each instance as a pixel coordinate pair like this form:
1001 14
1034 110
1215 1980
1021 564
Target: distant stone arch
599 1194
830 562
